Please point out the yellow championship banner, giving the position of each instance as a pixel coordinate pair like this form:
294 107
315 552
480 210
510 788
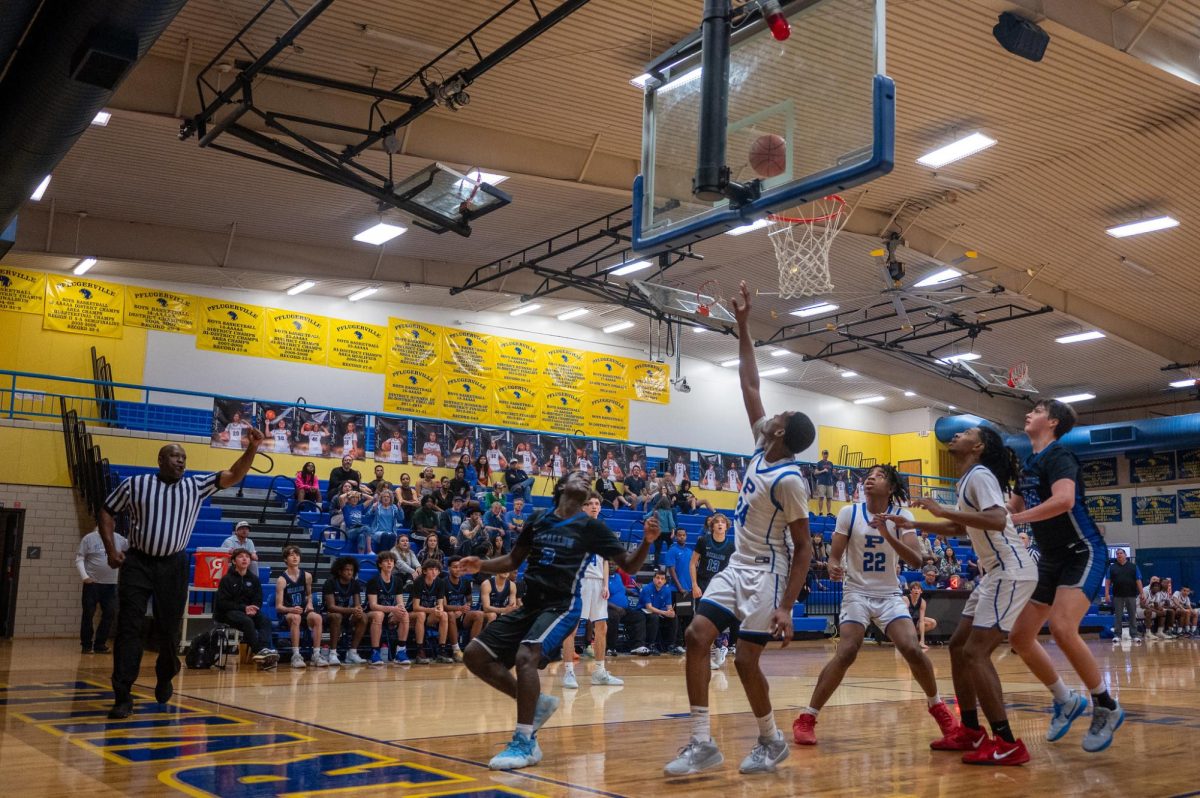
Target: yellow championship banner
608 374
565 369
467 353
294 336
155 309
465 399
411 391
515 404
562 412
606 416
518 361
22 291
229 327
357 346
413 344
87 307
650 382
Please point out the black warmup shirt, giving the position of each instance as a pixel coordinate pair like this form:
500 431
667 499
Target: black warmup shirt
427 595
714 557
559 553
1124 579
387 594
1039 472
457 595
343 594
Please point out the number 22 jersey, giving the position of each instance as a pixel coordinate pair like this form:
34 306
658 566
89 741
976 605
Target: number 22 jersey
871 563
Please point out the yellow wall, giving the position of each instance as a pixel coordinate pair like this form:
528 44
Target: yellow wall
27 347
871 444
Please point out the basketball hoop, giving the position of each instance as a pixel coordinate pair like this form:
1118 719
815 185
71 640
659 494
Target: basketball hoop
802 244
705 301
1018 377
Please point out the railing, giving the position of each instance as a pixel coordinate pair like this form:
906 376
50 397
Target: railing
89 470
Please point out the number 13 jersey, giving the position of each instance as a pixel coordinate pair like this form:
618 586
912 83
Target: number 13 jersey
871 564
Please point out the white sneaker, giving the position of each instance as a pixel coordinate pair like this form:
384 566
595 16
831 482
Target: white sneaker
546 705
640 651
522 752
298 661
766 754
694 758
601 676
719 658
321 659
332 659
352 658
569 681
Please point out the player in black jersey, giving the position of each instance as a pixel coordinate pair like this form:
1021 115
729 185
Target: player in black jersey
342 604
711 555
294 608
385 605
498 596
459 590
428 593
558 546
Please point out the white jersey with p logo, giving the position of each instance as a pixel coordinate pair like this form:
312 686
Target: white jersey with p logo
773 495
870 562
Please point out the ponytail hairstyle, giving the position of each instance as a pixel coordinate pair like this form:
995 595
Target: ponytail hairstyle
999 459
899 485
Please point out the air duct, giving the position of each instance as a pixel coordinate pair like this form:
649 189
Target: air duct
73 56
1173 432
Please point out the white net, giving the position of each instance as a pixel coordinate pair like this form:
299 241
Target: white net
802 244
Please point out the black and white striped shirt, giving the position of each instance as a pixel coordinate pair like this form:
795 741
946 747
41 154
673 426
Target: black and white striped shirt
162 515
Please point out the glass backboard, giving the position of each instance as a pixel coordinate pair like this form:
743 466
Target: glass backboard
822 91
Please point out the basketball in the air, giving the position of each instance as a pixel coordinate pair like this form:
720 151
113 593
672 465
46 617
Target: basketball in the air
768 155
270 414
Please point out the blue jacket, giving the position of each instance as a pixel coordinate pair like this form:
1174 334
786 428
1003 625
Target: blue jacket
659 599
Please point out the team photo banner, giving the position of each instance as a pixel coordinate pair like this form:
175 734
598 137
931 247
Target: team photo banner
84 307
156 309
231 421
312 433
296 337
229 327
22 291
349 434
391 439
428 437
277 422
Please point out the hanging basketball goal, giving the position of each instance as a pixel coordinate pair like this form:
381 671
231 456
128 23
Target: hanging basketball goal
802 239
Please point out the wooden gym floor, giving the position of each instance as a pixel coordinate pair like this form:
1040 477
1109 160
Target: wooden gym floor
430 730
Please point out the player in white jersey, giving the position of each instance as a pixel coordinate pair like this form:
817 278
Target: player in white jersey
764 577
987 467
872 552
680 470
495 458
279 434
732 481
556 463
593 592
527 458
393 448
709 480
431 451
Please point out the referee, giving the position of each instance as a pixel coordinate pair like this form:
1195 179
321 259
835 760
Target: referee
162 508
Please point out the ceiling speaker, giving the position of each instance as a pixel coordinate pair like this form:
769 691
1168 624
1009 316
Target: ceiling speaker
1021 36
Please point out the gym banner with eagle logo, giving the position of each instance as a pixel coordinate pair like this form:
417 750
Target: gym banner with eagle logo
357 346
606 417
155 309
230 327
85 307
22 291
296 337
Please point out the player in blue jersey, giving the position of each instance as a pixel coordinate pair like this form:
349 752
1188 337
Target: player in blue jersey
558 546
1070 573
294 608
772 552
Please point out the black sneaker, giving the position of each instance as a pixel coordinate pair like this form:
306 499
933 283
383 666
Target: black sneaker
163 692
442 659
85 650
120 710
102 650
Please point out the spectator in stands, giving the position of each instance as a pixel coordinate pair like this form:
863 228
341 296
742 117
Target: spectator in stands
483 474
294 609
916 608
1154 610
686 502
308 488
1122 588
609 494
661 624
380 483
406 559
442 496
425 519
473 523
518 480
459 486
428 483
386 607
343 605
383 521
820 550
619 614
494 521
240 539
931 581
460 616
1186 615
428 611
633 487
450 522
99 589
498 595
495 547
824 479
974 572
407 499
431 550
473 542
239 604
666 522
517 513
924 548
343 473
354 505
653 486
938 547
950 566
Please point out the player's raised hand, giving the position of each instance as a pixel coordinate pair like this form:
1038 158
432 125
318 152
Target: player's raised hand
651 530
741 308
470 565
931 506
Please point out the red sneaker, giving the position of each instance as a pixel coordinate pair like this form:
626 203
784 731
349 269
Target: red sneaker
961 739
804 730
944 717
998 752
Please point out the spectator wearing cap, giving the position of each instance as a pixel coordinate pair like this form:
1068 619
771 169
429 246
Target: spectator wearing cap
240 539
931 580
518 480
823 475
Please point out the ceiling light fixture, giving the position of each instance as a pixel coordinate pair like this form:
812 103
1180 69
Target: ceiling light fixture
951 407
815 310
1143 226
1076 397
521 311
386 35
953 182
956 150
1137 267
83 266
937 278
849 373
641 80
698 329
775 372
1090 335
866 400
101 119
300 288
780 353
571 314
731 363
362 293
910 393
1183 384
965 356
380 233
674 83
40 191
748 228
621 325
630 267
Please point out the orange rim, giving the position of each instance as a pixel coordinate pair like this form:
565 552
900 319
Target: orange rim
840 208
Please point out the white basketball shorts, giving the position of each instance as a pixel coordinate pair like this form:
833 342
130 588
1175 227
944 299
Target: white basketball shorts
996 602
749 596
882 610
595 606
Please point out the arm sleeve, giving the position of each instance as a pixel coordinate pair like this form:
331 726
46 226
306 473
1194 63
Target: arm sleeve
982 491
118 500
601 540
844 519
790 496
79 561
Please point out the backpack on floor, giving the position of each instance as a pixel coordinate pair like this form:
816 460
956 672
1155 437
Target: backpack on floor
201 652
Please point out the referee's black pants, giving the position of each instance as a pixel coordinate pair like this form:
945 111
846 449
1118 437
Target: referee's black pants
141 578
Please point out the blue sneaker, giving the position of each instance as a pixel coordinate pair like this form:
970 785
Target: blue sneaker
546 705
1104 723
376 659
1064 714
401 657
521 752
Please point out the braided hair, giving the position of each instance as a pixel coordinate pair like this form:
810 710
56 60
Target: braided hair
999 459
899 485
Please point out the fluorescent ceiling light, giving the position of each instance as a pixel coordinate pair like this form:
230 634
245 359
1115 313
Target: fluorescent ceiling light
866 400
698 329
944 276
674 83
362 293
956 150
731 363
1183 383
965 356
621 325
84 265
849 373
910 393
571 314
780 353
1137 267
38 192
1143 226
815 310
631 267
521 311
300 288
1076 397
386 35
641 80
101 119
380 233
1090 335
951 407
748 228
775 372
